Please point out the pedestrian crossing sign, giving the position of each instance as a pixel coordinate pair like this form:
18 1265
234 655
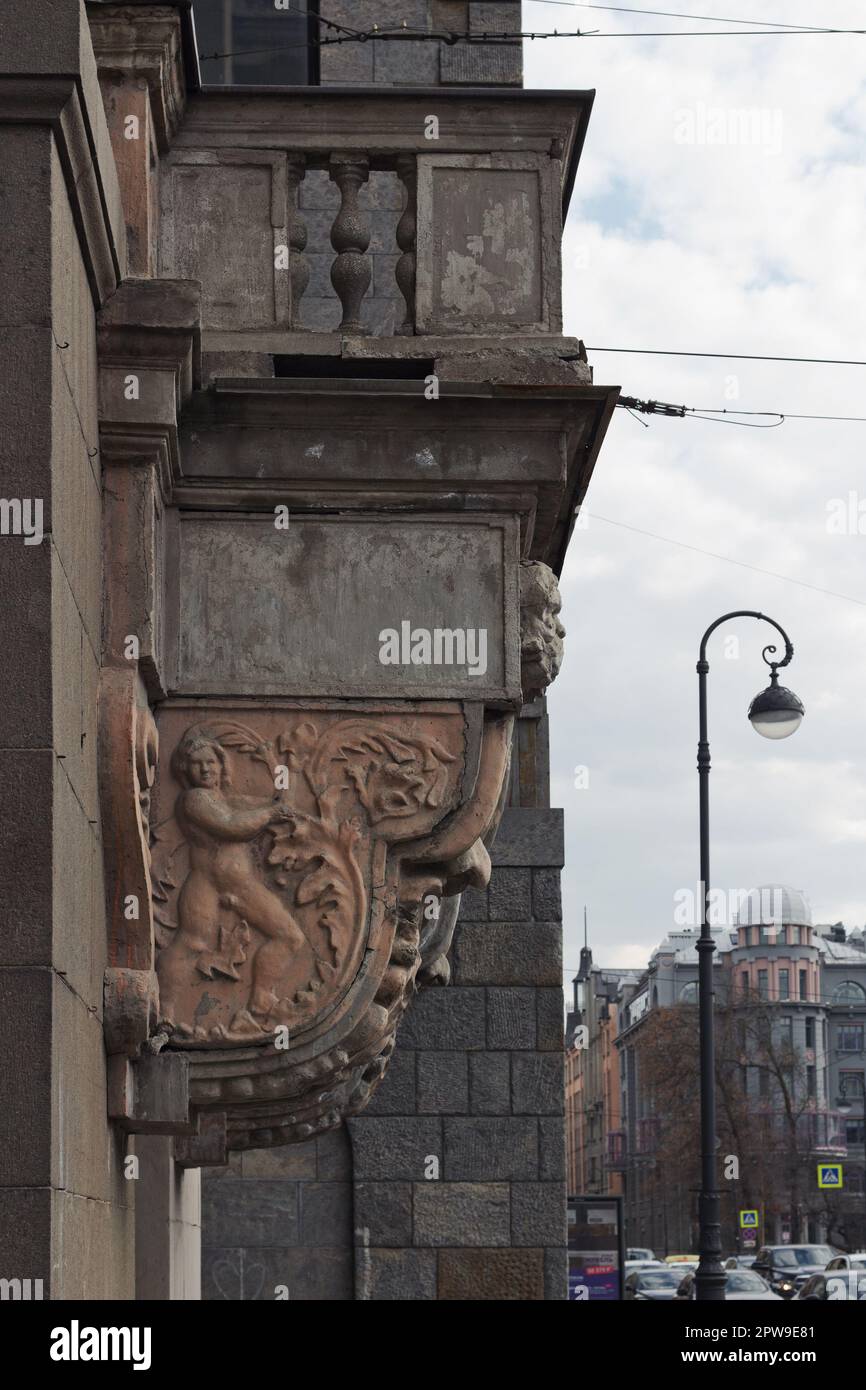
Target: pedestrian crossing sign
748 1220
830 1175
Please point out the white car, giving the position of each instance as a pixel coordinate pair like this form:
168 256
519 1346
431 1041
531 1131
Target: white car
631 1265
639 1254
741 1286
856 1260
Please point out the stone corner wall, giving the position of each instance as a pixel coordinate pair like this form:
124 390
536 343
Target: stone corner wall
277 1224
459 1163
66 1211
451 1185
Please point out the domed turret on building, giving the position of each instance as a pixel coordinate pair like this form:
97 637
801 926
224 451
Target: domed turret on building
774 904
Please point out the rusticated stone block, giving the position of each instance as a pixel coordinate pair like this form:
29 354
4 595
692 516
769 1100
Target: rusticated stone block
531 837
334 1155
551 1137
461 1213
510 895
475 1275
551 1023
391 1275
538 1213
473 905
261 1275
509 953
326 1213
443 1083
396 1094
394 1148
242 1212
384 1211
482 1149
490 1083
511 1018
538 1083
445 1019
406 64
546 895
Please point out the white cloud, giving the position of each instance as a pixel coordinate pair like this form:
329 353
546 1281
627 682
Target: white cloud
741 248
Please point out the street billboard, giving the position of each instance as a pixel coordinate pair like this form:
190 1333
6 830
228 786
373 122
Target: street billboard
596 1253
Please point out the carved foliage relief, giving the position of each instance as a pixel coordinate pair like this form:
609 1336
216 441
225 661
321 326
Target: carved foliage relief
269 836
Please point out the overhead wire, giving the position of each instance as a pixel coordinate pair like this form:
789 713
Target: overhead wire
729 559
678 14
735 356
344 34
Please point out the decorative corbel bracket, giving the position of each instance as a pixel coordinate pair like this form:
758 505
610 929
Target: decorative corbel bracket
149 343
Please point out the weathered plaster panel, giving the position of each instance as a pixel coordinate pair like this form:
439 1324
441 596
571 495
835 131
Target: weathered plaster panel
487 245
223 217
299 611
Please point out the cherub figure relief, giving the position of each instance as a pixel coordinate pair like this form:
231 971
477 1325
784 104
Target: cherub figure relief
224 898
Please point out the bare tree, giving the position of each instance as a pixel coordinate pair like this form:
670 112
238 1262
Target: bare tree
767 1142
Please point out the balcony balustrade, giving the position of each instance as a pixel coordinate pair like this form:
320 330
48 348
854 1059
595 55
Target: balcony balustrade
442 207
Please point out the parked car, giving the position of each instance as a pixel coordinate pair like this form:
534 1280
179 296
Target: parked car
832 1287
642 1254
787 1267
740 1285
856 1260
652 1284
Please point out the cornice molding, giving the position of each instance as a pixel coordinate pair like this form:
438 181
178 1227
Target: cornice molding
384 122
134 42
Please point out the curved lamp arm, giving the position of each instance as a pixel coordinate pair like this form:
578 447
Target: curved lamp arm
748 613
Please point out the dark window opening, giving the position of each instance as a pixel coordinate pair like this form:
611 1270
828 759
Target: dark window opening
355 368
252 43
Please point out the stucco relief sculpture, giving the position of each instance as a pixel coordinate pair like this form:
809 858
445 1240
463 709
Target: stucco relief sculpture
293 854
261 898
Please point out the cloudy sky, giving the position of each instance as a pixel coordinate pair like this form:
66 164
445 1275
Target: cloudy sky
696 228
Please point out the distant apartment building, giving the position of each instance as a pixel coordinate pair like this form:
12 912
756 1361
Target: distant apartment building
593 1094
791 1017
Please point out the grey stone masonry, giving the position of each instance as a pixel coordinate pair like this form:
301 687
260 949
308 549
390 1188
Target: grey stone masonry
277 1223
459 1160
425 62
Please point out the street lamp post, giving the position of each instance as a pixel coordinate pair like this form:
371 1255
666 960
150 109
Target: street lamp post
774 713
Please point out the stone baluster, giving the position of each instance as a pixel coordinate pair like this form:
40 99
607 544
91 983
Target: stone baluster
299 266
350 237
407 170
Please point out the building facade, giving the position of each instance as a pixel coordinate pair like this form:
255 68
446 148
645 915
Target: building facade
791 1011
593 1097
276 749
